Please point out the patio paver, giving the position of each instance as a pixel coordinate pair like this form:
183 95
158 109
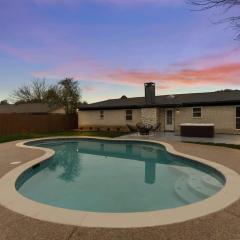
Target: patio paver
223 225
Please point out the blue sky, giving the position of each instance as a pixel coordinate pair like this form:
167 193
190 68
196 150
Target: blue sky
113 46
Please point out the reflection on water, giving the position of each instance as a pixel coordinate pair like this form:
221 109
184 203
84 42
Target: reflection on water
69 160
150 172
116 176
68 156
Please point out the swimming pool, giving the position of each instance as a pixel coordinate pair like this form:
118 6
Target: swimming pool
106 176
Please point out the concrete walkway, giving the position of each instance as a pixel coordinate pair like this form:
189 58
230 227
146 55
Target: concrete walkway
223 225
169 136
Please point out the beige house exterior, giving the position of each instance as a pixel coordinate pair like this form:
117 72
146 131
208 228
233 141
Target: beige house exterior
112 118
222 109
223 117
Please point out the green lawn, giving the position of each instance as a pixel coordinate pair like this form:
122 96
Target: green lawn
52 134
218 144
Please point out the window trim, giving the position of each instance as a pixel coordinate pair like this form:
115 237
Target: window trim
127 115
101 114
236 117
168 117
200 112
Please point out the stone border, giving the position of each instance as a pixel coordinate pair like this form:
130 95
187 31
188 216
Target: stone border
13 200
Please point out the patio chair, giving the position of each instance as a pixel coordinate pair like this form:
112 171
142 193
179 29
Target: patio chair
155 128
131 128
144 129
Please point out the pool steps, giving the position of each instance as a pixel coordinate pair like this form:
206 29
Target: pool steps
211 183
193 188
181 188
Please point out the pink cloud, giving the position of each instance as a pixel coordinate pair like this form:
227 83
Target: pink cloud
232 55
225 74
205 71
90 89
79 69
53 52
16 52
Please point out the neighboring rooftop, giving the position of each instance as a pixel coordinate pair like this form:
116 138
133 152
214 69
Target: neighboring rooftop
228 97
27 108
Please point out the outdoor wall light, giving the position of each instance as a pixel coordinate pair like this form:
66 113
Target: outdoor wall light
177 110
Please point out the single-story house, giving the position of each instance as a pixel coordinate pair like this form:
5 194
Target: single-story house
220 108
31 108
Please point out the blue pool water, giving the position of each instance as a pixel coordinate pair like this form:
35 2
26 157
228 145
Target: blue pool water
116 176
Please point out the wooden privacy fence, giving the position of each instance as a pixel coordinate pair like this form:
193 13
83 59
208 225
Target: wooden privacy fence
36 123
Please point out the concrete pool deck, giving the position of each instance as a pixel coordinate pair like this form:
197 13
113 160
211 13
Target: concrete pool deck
221 225
170 136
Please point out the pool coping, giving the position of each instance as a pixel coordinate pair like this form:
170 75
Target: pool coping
13 200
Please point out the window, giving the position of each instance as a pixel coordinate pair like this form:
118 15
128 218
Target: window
101 114
169 117
238 117
128 115
197 112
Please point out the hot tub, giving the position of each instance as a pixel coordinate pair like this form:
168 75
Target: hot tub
197 130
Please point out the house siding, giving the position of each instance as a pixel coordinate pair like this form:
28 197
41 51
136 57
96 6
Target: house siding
223 117
111 118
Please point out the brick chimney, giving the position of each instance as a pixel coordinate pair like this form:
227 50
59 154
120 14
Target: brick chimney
149 93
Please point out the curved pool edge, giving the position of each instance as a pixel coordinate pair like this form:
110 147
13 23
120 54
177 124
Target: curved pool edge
14 201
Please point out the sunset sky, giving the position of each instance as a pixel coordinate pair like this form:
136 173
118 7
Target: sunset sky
113 46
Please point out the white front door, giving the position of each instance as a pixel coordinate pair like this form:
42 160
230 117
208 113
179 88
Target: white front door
169 119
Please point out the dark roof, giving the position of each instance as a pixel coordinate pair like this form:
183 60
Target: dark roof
176 100
27 108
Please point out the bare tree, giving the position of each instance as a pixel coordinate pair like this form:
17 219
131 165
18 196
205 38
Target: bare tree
4 102
70 94
226 5
39 89
32 93
65 93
